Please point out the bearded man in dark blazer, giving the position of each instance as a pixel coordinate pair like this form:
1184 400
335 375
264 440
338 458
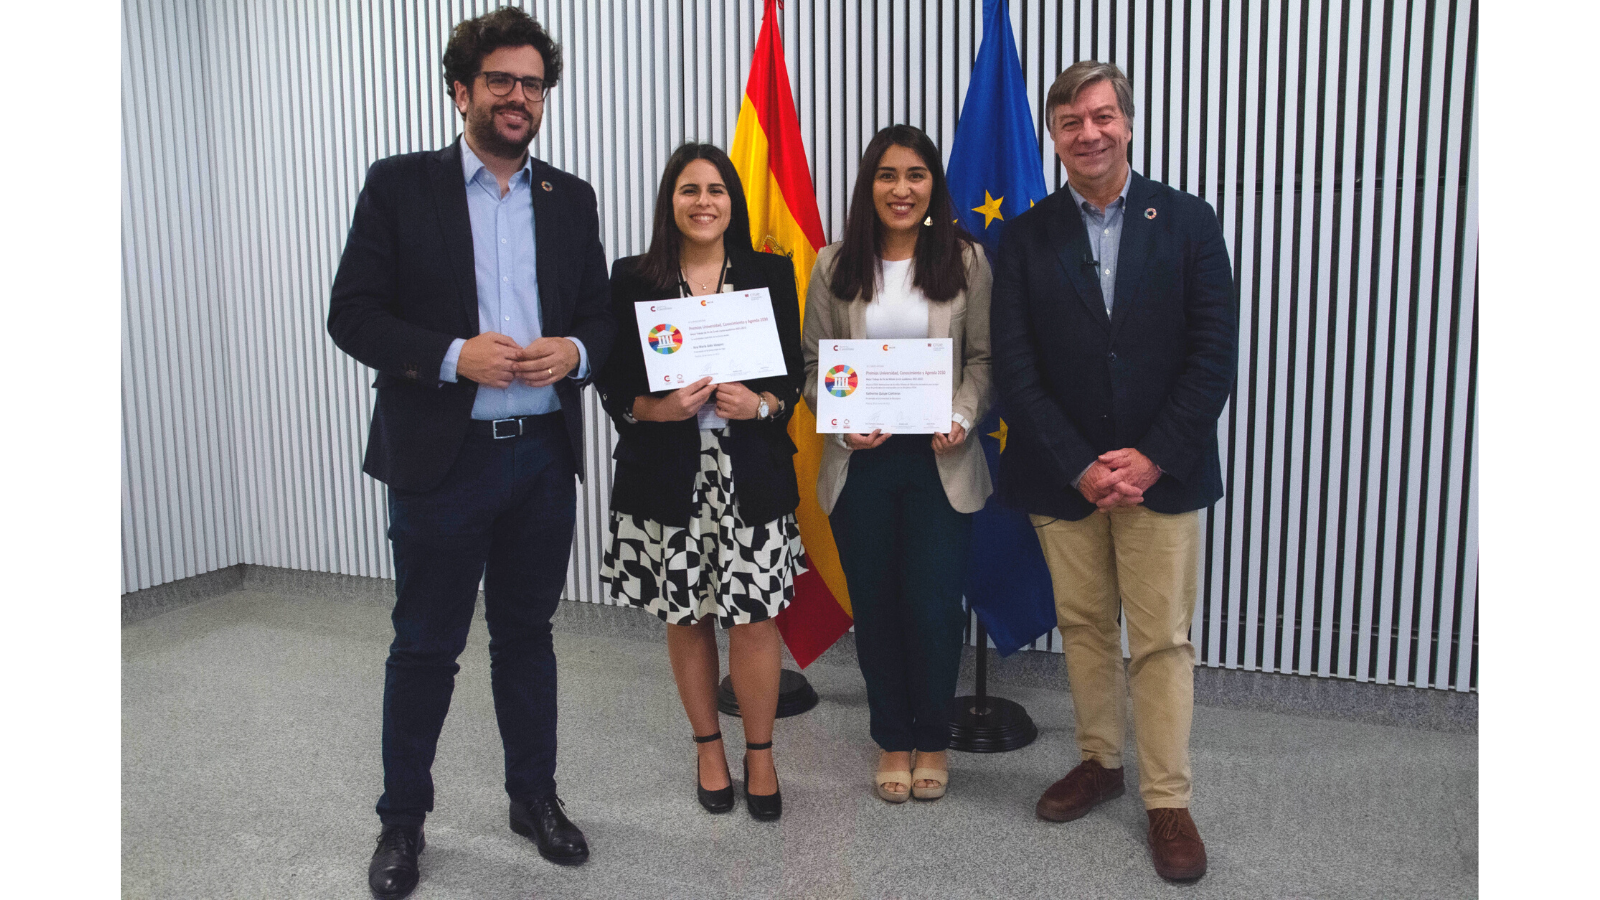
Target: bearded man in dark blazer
474 282
1114 301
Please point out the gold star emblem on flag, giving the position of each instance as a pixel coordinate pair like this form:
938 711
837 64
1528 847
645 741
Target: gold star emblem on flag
1001 435
990 209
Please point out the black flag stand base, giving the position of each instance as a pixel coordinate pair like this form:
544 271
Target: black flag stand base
795 695
984 724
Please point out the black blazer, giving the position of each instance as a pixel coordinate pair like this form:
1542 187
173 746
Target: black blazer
1154 376
657 461
406 288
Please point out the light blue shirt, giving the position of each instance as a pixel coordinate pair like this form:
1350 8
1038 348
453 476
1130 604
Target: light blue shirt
1105 236
505 261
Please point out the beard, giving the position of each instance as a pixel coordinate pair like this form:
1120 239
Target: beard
480 125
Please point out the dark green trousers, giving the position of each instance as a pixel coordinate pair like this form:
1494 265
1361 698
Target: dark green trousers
904 553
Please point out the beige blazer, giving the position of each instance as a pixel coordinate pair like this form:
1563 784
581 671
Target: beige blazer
965 319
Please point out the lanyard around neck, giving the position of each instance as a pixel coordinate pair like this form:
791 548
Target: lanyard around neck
722 277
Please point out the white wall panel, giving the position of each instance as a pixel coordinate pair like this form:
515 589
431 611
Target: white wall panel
1335 141
180 513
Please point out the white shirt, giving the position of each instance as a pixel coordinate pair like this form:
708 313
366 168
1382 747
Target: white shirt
898 309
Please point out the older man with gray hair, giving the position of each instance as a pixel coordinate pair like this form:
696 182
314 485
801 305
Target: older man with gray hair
1114 299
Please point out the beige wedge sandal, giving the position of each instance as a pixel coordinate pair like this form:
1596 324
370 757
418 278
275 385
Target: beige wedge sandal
883 778
940 778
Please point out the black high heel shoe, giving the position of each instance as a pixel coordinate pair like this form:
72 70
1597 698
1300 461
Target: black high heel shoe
717 801
763 807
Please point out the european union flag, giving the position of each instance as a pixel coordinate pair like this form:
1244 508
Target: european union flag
995 174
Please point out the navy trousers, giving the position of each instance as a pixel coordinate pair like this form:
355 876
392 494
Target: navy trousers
504 514
904 553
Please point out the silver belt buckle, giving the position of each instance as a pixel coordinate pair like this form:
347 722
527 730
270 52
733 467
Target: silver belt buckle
510 434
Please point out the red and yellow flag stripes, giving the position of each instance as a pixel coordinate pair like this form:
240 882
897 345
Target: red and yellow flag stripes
771 161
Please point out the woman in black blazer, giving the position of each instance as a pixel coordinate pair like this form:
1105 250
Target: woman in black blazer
702 505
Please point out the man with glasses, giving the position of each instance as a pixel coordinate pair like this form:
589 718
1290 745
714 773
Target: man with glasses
474 282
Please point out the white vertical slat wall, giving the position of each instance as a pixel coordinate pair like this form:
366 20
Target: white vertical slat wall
180 480
1335 141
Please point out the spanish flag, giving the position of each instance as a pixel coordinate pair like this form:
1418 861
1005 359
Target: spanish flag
771 162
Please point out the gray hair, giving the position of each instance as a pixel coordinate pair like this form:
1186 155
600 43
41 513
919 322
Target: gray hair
1070 83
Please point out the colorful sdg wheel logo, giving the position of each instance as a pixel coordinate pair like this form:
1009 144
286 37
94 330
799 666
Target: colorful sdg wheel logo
665 339
840 381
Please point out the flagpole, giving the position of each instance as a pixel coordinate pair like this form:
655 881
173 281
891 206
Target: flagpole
980 723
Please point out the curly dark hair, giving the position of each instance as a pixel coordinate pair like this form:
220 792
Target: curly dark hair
508 26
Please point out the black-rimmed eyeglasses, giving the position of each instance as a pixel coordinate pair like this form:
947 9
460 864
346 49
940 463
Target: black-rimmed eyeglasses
500 85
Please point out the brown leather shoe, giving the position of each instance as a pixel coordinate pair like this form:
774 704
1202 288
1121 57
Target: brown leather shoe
1175 845
1084 788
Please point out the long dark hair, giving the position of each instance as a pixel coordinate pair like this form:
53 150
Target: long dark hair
938 266
660 263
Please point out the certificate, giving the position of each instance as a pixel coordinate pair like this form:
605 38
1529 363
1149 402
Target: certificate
899 386
731 337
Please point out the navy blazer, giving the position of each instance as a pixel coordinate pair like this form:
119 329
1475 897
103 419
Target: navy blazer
656 461
1154 376
406 288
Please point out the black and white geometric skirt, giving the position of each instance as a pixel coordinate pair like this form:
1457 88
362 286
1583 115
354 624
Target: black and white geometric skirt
718 566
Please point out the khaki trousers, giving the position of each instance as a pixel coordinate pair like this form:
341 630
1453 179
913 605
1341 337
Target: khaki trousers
1145 564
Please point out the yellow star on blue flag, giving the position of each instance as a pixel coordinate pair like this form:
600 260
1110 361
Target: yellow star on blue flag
995 153
1000 435
990 209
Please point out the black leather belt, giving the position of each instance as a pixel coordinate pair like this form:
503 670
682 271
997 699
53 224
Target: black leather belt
514 427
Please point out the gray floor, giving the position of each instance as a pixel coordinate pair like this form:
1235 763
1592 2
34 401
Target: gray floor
249 769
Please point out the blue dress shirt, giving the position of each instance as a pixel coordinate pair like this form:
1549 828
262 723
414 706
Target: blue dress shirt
505 261
1105 235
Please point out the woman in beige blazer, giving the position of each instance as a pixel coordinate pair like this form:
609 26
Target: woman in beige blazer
901 505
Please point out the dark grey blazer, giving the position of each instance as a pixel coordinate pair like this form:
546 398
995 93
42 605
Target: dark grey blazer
1073 383
406 288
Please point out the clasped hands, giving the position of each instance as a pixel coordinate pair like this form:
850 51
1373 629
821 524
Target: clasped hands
734 401
495 360
1118 478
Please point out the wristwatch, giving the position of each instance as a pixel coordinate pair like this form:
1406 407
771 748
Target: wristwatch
763 412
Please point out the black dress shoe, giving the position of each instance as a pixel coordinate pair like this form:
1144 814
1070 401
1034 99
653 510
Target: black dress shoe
392 874
719 800
543 822
763 807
